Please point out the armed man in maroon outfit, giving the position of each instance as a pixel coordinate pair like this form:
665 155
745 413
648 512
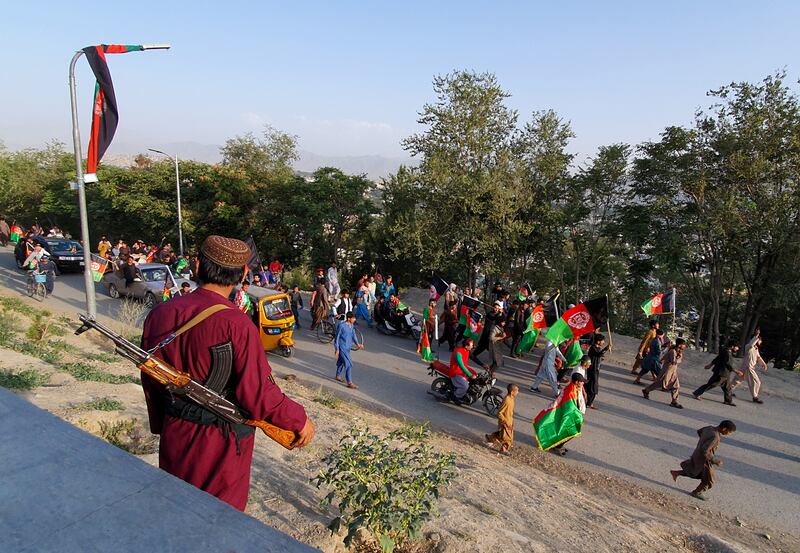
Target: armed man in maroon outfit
224 352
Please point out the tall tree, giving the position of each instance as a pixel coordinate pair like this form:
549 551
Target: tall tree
466 166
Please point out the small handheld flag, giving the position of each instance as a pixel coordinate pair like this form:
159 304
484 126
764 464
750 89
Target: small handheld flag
581 319
660 304
440 286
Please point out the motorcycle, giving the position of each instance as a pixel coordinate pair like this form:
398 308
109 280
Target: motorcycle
411 327
481 388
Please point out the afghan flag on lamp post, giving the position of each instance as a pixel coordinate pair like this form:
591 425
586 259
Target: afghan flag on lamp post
581 319
660 304
104 108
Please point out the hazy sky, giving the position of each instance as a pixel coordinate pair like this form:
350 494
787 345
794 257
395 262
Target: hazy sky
350 77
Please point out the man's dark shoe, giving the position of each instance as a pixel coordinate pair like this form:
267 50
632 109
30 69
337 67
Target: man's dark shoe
756 400
698 495
676 405
732 404
645 393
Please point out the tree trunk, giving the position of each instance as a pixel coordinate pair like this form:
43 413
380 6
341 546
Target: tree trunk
698 336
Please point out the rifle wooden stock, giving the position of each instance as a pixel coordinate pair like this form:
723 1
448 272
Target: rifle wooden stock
181 383
286 438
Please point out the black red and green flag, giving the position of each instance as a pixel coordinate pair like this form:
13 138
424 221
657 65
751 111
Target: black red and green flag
660 304
541 317
524 292
468 305
98 266
440 286
580 320
551 310
573 354
474 327
531 332
559 422
424 347
166 293
105 116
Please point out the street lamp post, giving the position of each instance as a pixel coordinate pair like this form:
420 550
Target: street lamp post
88 281
178 190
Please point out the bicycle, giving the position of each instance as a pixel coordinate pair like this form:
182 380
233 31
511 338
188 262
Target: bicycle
37 285
326 331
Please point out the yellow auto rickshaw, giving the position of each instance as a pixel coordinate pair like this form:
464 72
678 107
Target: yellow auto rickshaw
276 323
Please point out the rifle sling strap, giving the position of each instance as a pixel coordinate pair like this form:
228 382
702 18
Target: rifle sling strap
219 375
193 322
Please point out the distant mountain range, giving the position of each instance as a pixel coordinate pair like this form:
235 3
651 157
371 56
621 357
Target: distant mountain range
375 167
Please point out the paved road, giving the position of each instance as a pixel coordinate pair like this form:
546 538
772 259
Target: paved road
627 436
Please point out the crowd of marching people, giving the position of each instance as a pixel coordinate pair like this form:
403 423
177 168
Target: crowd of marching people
511 325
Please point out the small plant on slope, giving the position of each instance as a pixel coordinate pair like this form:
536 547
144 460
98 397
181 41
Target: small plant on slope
389 486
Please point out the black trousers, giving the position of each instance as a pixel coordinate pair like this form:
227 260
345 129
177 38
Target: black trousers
592 385
717 380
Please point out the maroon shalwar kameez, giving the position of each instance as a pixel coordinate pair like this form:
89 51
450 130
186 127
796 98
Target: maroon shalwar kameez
200 454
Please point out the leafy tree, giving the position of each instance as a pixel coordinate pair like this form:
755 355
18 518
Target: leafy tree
465 154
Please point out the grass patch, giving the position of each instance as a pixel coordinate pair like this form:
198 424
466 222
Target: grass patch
23 380
327 399
16 304
102 404
128 436
38 350
103 357
85 372
8 330
61 345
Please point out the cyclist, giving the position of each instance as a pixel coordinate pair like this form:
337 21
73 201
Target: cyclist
49 268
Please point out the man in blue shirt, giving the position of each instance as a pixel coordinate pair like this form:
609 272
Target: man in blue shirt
345 337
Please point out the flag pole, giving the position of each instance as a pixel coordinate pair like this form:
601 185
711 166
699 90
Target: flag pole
80 183
608 326
88 278
674 309
436 333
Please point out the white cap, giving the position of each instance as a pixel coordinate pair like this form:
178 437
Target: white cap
499 304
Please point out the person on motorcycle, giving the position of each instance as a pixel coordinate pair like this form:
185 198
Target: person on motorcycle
396 316
460 373
378 312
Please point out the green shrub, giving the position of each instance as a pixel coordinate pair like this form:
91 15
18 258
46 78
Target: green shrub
23 380
389 486
42 327
85 372
102 404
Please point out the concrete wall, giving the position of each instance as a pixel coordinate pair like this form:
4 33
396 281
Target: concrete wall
65 491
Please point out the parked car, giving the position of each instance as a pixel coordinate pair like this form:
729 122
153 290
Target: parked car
148 285
66 254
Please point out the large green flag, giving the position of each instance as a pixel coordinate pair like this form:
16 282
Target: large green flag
574 354
559 422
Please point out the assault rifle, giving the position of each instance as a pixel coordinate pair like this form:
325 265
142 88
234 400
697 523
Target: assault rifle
181 384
